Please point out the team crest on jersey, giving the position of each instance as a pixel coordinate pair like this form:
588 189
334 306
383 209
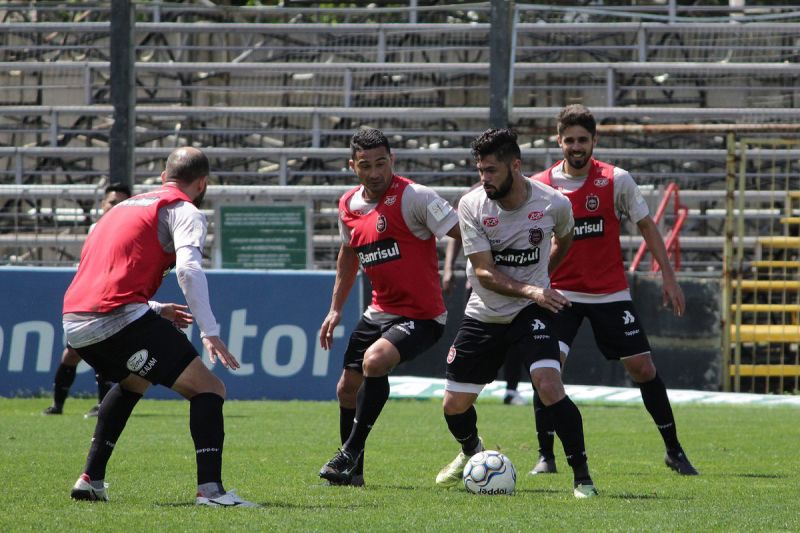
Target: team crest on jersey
592 202
381 224
451 355
390 200
535 236
601 182
490 222
535 215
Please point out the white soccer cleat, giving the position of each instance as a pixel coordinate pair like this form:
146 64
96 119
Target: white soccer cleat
453 473
584 491
229 499
83 490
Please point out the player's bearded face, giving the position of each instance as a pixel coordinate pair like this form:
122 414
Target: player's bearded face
496 183
577 145
198 200
374 170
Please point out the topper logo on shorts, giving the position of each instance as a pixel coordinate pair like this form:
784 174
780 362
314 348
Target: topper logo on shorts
137 361
378 252
588 227
516 258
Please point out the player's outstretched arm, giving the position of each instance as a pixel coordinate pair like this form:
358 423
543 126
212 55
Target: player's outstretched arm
217 351
178 314
672 294
346 271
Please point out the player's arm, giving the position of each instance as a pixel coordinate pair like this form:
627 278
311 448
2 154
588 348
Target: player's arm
346 271
559 250
671 291
178 314
451 252
494 280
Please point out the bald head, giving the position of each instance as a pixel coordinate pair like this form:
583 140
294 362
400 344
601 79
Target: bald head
186 165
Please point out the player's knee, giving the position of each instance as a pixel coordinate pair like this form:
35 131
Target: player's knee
641 368
70 357
548 385
347 388
456 404
376 365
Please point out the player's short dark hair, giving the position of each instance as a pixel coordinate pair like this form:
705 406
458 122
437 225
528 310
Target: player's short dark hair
576 115
367 138
501 143
187 165
118 186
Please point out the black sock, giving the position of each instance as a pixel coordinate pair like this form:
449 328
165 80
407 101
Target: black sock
65 377
346 416
103 387
372 397
207 426
569 428
111 419
545 430
656 401
464 428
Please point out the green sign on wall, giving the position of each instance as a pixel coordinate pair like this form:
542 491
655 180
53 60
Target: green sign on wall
264 237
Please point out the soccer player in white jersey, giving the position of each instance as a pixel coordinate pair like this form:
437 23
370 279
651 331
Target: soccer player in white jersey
506 228
601 194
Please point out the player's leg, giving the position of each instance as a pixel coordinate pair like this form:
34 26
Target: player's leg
103 386
513 371
621 335
566 325
477 353
64 378
347 393
656 401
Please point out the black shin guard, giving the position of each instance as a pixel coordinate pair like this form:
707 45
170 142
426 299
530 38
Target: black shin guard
65 377
346 417
372 396
111 419
464 428
569 428
545 429
207 426
656 401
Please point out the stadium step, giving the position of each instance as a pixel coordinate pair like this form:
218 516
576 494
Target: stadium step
765 333
766 308
768 285
771 371
790 220
766 263
779 241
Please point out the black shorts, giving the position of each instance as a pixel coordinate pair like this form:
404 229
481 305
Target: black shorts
411 337
617 329
150 347
480 348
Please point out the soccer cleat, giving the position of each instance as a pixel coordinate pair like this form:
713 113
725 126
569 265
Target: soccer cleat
513 398
583 491
680 463
83 490
92 412
53 410
340 468
453 473
356 481
229 499
545 465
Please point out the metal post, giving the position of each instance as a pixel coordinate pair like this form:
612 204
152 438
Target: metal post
611 87
500 38
123 92
727 258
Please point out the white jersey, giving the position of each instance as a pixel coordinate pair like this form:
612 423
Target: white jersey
519 241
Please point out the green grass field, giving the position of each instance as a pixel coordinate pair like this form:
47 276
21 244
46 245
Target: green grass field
747 456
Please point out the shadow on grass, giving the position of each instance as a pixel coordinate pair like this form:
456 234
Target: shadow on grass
282 505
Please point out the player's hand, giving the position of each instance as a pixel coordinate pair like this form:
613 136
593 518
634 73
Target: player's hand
550 299
448 281
326 331
673 296
218 351
178 314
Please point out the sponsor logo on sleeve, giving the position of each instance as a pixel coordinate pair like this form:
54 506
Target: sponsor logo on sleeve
437 209
586 228
378 252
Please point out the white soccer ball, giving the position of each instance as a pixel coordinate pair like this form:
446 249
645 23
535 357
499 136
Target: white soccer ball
490 472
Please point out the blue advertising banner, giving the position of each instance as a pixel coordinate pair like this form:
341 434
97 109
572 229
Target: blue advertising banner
270 322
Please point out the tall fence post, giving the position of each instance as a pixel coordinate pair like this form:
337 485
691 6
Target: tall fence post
500 55
123 92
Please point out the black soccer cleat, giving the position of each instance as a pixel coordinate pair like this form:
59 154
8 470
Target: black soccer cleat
678 461
340 469
53 410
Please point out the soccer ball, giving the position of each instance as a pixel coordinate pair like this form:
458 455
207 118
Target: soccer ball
490 472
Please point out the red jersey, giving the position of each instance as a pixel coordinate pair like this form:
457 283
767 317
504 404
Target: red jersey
402 268
122 260
594 261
